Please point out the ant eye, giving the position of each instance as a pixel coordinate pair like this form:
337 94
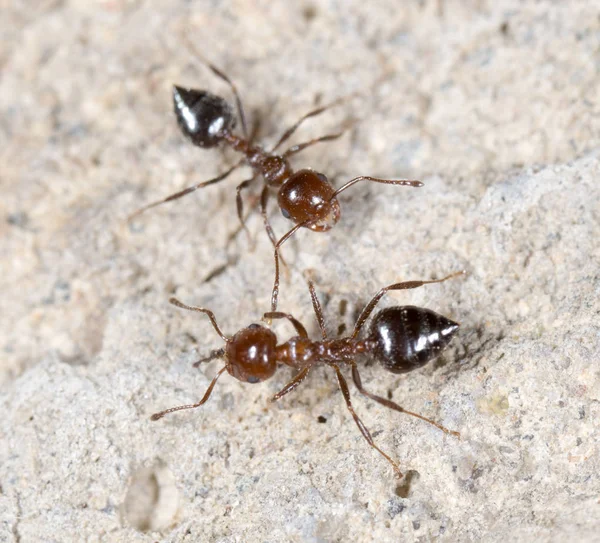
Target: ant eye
253 326
285 213
322 177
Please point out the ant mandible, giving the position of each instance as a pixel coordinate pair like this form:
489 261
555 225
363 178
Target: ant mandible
306 197
401 338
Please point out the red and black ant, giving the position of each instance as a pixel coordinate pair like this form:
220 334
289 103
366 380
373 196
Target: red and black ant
306 197
402 338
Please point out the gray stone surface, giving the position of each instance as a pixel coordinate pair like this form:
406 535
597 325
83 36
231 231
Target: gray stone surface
495 105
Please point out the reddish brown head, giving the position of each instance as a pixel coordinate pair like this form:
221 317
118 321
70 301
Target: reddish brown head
250 354
308 195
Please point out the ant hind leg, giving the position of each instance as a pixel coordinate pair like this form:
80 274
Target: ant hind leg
393 405
221 75
184 192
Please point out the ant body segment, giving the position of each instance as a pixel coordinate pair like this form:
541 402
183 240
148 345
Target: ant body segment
306 197
401 338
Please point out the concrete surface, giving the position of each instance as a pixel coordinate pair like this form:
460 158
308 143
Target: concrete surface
494 105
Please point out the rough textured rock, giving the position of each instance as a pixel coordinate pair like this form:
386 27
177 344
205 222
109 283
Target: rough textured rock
495 106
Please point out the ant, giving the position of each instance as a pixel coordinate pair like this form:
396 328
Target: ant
401 338
305 196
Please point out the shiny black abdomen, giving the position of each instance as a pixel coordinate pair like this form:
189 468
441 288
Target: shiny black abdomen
408 337
203 117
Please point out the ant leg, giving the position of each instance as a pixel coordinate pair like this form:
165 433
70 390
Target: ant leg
396 286
364 430
240 203
294 149
317 308
288 235
207 312
223 76
393 405
161 414
232 236
264 199
400 182
286 135
254 130
300 376
183 192
296 323
217 353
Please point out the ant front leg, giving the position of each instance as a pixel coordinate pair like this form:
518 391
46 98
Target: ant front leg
204 399
295 322
392 405
233 234
363 429
406 285
217 353
302 333
240 203
300 376
288 235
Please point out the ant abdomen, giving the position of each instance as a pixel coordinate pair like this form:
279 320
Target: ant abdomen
203 117
251 354
406 338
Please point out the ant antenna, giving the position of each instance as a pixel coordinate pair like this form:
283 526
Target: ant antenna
207 312
399 182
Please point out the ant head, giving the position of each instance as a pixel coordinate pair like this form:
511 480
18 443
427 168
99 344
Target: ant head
308 195
202 116
408 337
250 354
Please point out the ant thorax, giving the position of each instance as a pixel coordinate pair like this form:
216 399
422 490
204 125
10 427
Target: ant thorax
274 168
